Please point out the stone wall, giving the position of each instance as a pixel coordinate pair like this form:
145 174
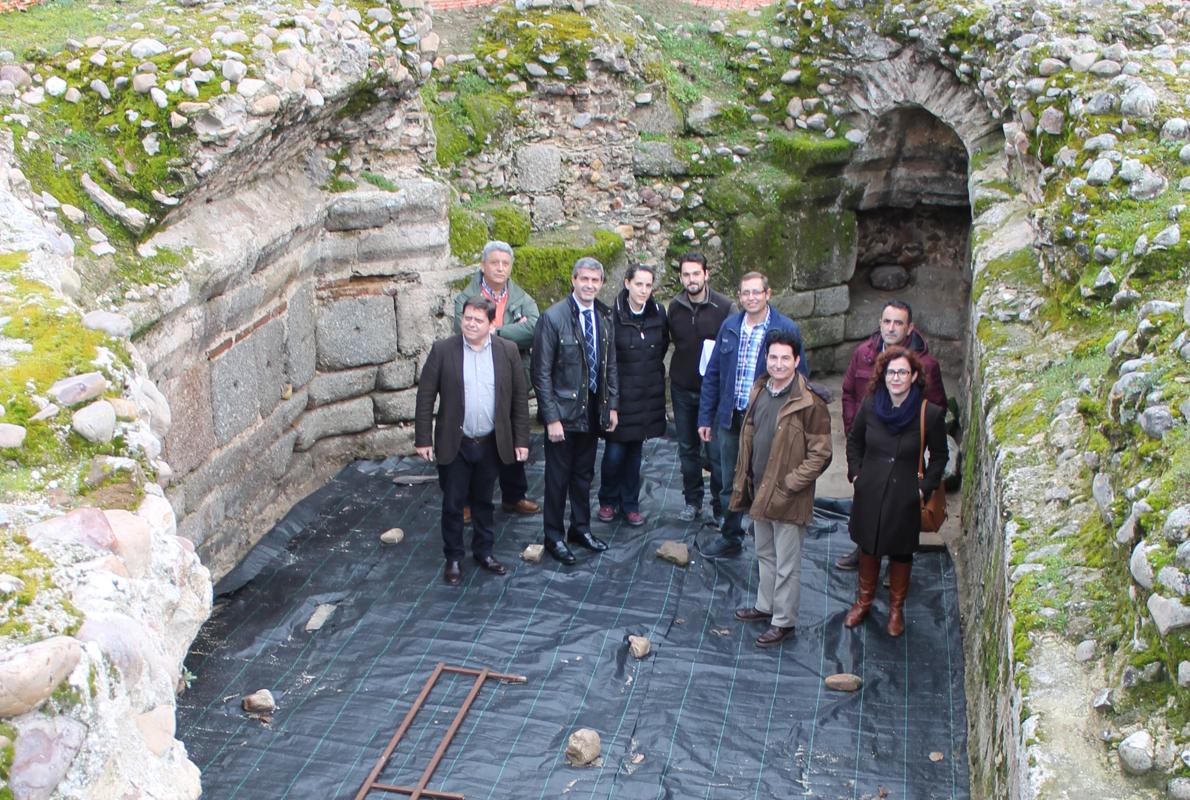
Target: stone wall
294 347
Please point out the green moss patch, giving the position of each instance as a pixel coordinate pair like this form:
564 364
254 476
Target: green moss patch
60 347
807 155
468 117
37 610
516 38
468 232
543 265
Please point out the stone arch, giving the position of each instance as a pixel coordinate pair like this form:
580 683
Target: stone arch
913 222
883 82
917 127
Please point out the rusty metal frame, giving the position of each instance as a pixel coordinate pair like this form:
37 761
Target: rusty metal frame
420 790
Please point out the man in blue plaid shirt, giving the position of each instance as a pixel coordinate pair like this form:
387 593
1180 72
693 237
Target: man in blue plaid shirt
737 360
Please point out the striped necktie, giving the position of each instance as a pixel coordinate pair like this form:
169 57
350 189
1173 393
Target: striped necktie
589 334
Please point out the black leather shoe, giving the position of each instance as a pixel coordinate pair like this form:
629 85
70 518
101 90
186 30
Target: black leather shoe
452 574
491 565
587 540
561 552
774 636
750 614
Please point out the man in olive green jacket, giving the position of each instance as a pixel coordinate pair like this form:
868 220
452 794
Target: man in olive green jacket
516 316
785 444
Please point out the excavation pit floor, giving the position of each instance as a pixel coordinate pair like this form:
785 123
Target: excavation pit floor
706 714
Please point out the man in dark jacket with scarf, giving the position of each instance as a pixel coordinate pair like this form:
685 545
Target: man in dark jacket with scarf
516 316
695 316
578 393
785 445
738 357
896 330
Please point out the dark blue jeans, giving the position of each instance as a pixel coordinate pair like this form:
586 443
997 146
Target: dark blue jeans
619 476
729 450
691 448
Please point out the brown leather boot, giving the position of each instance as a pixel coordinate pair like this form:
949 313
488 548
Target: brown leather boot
898 580
869 571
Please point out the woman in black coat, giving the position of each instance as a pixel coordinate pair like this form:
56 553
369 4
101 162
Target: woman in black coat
882 458
641 337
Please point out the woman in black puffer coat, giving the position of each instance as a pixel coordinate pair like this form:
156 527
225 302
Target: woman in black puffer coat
642 338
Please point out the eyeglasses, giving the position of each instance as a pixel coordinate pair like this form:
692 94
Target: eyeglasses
898 373
752 292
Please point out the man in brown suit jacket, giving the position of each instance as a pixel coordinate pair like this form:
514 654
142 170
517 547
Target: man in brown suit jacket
482 420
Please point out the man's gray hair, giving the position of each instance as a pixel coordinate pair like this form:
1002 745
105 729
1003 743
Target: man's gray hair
586 262
495 246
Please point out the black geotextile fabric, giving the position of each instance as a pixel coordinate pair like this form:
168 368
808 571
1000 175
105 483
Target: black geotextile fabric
706 715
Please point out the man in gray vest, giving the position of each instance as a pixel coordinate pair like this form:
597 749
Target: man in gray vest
516 316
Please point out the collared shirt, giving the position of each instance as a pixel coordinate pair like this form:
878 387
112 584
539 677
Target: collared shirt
582 323
751 340
501 300
479 390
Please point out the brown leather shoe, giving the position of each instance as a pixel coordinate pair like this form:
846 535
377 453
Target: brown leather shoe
523 506
774 636
452 573
466 515
751 614
491 565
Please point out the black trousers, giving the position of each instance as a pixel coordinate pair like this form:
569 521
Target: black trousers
469 480
569 469
514 484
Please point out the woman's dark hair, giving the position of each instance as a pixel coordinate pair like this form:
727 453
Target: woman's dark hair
890 355
635 267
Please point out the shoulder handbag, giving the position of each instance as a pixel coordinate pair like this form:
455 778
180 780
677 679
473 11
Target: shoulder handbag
933 508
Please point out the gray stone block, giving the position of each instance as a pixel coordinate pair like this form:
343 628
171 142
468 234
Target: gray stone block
821 331
397 375
192 435
818 261
355 331
332 253
795 305
832 300
413 199
199 525
279 456
376 443
237 464
300 337
538 167
392 407
331 387
547 211
235 391
269 347
657 159
234 309
403 240
351 416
